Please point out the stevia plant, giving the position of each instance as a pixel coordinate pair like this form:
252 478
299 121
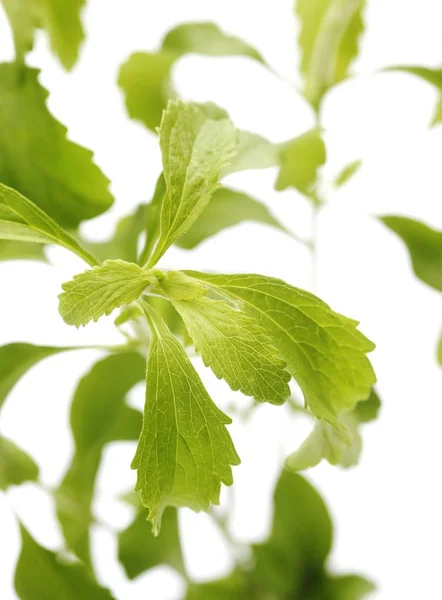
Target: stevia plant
256 332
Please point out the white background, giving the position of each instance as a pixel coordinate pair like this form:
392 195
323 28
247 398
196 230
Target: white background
387 511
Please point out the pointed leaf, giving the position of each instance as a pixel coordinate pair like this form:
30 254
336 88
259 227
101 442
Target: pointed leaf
347 173
184 452
16 466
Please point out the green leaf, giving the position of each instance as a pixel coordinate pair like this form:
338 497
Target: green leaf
11 250
325 442
21 220
347 173
36 158
97 292
139 550
431 76
99 415
253 152
145 78
41 574
60 19
236 348
324 351
424 245
300 160
226 209
16 359
16 466
233 587
153 218
194 149
184 452
349 587
330 31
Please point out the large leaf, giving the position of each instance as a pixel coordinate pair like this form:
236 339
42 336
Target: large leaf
330 31
98 415
194 149
92 294
324 351
236 348
36 158
60 19
227 208
40 574
16 359
22 221
16 466
431 76
184 452
424 245
145 77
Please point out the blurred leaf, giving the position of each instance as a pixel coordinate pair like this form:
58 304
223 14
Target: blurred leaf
59 18
153 216
300 161
431 76
253 152
347 173
99 291
12 250
145 77
98 415
184 452
234 587
325 442
21 220
40 575
194 149
37 159
16 359
329 37
16 466
324 351
424 245
226 209
139 550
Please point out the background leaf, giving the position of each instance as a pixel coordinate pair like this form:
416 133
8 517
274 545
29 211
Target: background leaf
16 466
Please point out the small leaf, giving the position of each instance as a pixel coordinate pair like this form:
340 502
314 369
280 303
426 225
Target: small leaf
39 161
98 415
330 31
236 348
324 351
184 452
21 220
41 574
424 245
60 20
140 551
300 161
226 209
16 466
92 294
347 173
146 77
194 149
16 359
12 250
253 152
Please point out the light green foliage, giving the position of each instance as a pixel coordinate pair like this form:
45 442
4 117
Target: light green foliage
227 208
300 160
253 152
325 442
424 245
36 158
22 221
146 77
40 574
324 351
431 76
12 250
98 292
194 150
16 360
236 348
347 173
16 466
184 452
330 31
99 415
59 18
139 550
291 563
